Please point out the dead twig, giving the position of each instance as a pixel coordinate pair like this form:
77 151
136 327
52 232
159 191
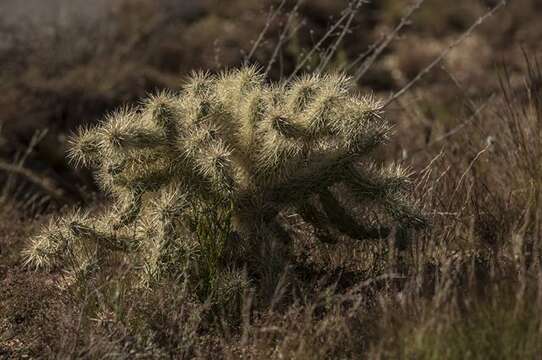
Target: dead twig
333 49
474 116
444 53
283 36
46 184
366 65
271 17
317 46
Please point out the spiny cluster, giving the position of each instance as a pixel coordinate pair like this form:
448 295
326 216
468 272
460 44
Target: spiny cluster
235 142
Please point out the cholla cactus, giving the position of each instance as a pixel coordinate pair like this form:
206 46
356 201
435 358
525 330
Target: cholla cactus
240 149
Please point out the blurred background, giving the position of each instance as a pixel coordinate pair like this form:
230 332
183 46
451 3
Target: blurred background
69 62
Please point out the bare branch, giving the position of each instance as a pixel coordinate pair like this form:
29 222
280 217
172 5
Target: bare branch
474 116
333 48
271 17
444 53
366 65
316 47
282 38
46 184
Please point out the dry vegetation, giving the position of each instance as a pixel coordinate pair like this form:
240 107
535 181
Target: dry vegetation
469 285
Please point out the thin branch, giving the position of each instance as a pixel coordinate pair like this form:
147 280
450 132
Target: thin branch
46 184
37 138
363 55
333 48
471 105
444 53
271 17
470 166
366 65
316 47
282 37
474 116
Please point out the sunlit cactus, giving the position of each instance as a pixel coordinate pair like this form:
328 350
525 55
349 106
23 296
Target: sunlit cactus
241 151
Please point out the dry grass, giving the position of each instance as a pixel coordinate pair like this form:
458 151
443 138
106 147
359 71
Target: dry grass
469 287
